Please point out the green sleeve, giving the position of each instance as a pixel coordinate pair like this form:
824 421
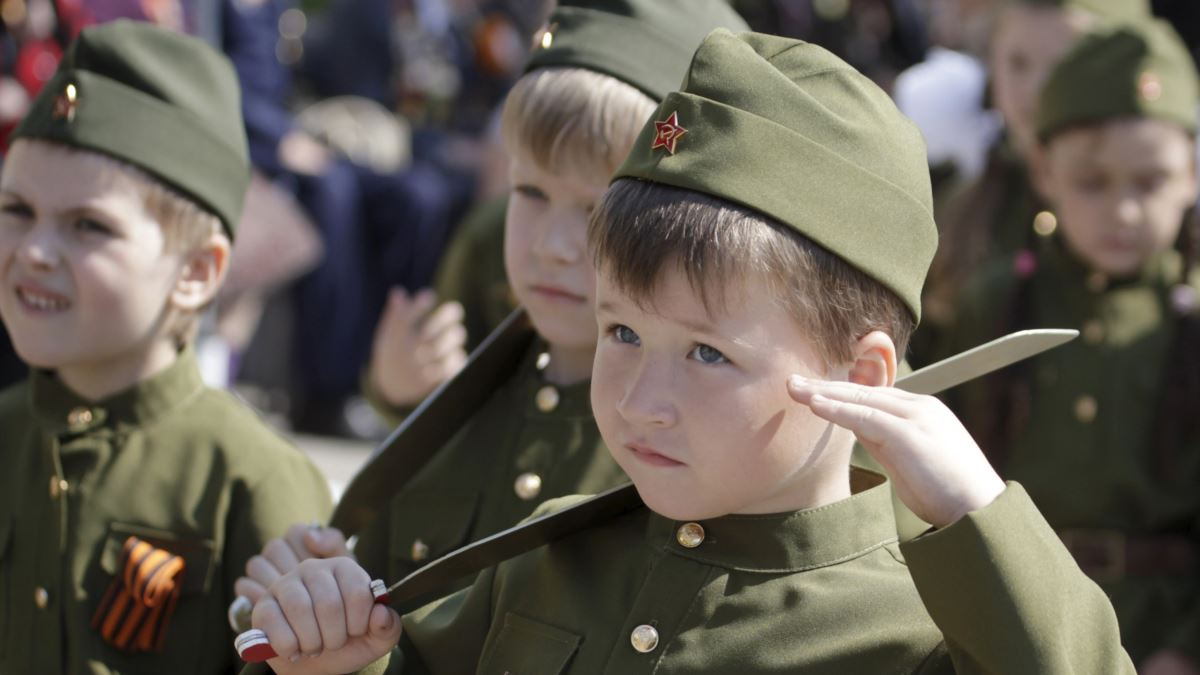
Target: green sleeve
293 491
374 545
1009 598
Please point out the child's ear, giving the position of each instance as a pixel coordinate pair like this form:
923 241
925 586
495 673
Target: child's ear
202 274
874 360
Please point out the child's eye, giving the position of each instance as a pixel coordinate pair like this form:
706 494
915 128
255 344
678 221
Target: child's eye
91 226
530 192
16 210
708 355
625 335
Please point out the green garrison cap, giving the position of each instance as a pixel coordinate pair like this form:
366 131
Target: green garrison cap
164 102
1113 10
644 43
1133 70
788 129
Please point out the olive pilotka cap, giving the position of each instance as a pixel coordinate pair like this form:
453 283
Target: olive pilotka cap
787 129
164 102
644 43
1133 70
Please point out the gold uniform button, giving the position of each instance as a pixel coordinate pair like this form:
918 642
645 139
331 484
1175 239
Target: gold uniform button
1085 409
58 487
546 399
79 417
1093 332
1045 223
420 550
644 638
528 486
690 535
41 597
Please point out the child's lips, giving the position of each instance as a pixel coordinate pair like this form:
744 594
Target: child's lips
557 293
651 456
41 300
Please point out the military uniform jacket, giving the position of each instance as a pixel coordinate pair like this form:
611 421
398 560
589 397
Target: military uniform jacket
184 467
1086 453
529 442
822 590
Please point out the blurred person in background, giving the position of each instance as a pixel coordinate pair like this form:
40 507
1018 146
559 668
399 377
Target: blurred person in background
997 214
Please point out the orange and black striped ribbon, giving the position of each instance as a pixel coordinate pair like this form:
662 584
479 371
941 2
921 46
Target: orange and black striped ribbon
134 613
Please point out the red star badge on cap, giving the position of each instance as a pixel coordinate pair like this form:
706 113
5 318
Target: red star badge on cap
65 104
667 133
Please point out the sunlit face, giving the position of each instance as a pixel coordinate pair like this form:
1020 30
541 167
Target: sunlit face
545 250
86 280
1120 190
1027 44
695 408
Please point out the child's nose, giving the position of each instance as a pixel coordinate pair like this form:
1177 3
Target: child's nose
38 251
647 400
558 239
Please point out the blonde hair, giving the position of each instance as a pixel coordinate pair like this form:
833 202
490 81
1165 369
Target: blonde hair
573 120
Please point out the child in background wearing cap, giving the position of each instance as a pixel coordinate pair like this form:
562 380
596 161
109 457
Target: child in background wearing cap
777 179
568 122
994 216
1103 432
132 495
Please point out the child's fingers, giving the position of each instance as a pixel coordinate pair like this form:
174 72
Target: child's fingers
354 584
262 571
250 589
294 601
872 425
887 399
384 627
450 341
280 554
419 309
329 610
268 617
326 542
442 319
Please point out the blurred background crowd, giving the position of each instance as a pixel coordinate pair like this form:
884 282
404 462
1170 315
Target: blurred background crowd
372 128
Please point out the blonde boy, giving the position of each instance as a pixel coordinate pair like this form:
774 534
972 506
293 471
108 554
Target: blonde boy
132 495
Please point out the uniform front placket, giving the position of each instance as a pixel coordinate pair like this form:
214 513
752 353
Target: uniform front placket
658 612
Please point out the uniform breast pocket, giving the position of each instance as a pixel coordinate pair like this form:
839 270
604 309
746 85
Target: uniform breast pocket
527 647
427 526
152 601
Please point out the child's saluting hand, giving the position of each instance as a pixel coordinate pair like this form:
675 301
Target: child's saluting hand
937 468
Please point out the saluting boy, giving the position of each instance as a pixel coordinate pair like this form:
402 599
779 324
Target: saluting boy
760 259
568 122
131 495
1104 432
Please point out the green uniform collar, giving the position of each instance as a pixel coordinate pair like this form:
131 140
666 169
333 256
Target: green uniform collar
790 542
536 393
62 411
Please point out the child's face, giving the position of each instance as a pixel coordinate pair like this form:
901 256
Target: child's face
545 250
1027 44
85 275
1120 190
695 407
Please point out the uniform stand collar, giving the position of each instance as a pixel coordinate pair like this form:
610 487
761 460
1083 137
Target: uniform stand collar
787 542
63 412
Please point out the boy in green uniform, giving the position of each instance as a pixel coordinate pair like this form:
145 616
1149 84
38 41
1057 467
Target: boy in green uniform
1000 212
760 259
1103 432
567 123
132 495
